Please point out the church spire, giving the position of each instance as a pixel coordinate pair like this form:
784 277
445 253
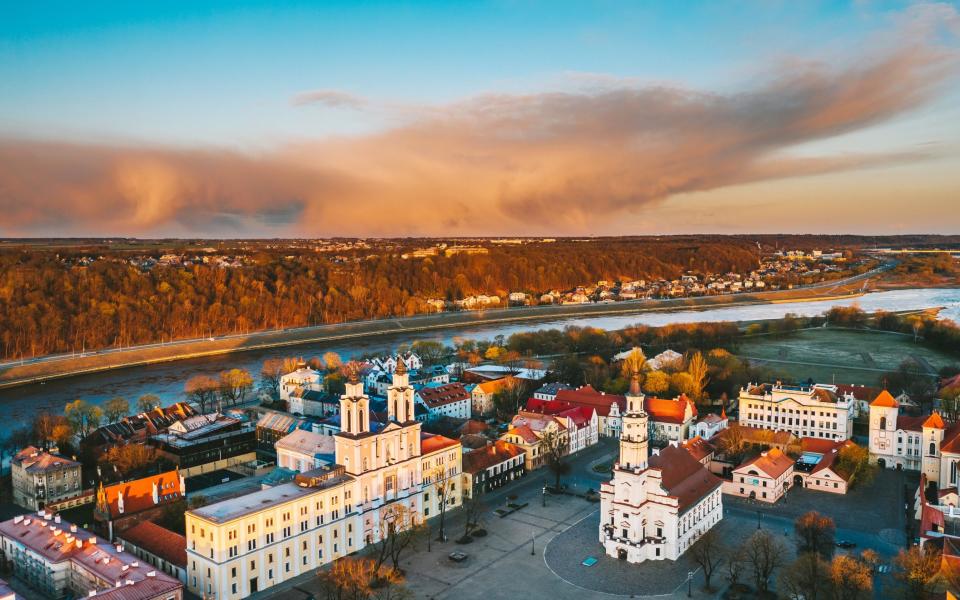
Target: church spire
635 383
401 366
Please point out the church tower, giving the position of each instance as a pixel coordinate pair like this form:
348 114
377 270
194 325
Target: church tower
633 439
400 396
354 441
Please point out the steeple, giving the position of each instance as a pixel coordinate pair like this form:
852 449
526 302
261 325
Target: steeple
401 366
633 439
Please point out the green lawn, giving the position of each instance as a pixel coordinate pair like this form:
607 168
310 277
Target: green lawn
829 355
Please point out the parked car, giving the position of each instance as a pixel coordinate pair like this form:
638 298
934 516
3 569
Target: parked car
846 544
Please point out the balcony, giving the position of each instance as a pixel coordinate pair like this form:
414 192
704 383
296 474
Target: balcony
645 541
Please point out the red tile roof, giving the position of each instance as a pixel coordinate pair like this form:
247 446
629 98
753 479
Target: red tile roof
444 394
935 421
910 423
668 411
683 476
773 463
159 541
138 494
587 396
492 387
493 454
525 433
951 439
860 392
698 447
433 443
473 426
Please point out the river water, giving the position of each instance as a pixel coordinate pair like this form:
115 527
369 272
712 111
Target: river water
19 404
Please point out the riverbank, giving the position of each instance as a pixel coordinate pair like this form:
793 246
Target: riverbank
47 368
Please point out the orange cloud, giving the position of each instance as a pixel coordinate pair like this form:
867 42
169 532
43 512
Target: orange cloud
561 162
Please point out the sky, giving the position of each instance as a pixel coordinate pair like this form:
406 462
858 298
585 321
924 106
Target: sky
285 119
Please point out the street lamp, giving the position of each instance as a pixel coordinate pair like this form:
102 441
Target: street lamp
543 495
689 584
759 516
533 542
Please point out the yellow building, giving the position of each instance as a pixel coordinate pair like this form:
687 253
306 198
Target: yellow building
248 544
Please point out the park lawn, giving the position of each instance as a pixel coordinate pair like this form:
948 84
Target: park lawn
840 355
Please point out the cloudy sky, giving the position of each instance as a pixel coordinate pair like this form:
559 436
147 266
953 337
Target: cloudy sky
455 118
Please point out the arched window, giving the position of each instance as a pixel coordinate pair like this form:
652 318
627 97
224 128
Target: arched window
883 422
360 419
933 448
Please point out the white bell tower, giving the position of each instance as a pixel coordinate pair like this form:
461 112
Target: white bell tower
633 438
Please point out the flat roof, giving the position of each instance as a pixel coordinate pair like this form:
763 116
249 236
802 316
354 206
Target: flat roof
234 508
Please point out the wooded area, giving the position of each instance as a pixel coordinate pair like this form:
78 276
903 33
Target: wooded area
49 306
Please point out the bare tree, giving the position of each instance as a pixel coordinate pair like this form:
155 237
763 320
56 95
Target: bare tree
148 402
805 578
736 563
270 374
399 529
443 485
554 448
202 389
234 385
115 409
473 507
815 533
764 554
708 553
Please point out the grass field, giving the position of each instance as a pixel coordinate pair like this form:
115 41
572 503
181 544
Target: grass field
843 356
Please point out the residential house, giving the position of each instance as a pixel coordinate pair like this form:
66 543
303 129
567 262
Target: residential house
765 477
491 467
296 383
449 400
123 505
41 478
158 546
483 393
670 419
548 391
60 560
609 407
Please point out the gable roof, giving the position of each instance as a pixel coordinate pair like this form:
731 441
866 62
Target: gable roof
523 432
34 460
863 393
159 541
138 494
951 439
683 476
884 399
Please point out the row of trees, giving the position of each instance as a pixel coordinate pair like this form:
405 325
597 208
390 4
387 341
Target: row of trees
816 573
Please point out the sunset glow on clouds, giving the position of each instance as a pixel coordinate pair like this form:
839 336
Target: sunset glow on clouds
603 156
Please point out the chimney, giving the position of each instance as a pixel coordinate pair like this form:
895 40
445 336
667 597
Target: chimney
156 499
73 529
120 501
79 543
91 593
56 519
119 548
151 573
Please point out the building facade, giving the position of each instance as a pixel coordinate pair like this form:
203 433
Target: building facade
765 478
655 507
61 560
817 411
248 544
41 478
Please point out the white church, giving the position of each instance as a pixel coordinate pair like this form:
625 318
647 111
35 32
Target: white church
655 507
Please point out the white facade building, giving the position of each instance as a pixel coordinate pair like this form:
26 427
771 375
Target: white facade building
304 450
302 380
247 544
656 507
817 411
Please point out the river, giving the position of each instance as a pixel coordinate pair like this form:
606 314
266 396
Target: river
19 404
